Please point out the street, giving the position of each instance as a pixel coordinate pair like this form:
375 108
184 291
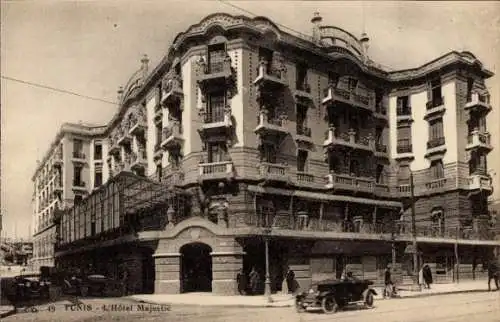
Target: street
484 306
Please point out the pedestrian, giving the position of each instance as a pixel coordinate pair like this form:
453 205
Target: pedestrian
241 279
421 281
493 274
427 273
290 281
388 282
254 281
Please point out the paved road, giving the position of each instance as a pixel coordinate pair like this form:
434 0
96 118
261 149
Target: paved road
484 307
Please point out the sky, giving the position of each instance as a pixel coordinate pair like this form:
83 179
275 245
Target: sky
93 47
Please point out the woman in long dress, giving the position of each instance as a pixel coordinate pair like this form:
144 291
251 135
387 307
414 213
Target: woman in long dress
421 281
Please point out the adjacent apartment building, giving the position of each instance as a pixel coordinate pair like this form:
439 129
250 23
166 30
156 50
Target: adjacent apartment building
72 167
246 140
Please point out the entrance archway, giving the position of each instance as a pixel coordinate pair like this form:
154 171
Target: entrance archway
196 268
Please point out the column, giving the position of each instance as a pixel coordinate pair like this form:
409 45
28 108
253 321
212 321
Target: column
167 268
225 267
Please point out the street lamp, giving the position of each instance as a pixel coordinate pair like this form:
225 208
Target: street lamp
414 230
267 285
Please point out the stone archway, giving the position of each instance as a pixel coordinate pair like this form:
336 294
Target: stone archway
196 268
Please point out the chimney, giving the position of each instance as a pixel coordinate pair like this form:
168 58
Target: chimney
316 21
365 44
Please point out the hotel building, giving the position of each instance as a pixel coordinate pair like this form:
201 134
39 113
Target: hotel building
246 140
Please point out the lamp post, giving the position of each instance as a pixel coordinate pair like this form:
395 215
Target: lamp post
267 283
414 230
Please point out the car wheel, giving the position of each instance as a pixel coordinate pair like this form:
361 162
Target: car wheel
299 306
84 291
369 300
329 305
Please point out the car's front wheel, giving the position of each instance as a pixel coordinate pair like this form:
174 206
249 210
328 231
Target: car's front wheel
329 305
299 305
369 299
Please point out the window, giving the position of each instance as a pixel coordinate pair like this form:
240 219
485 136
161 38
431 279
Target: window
380 173
77 176
436 97
437 169
217 152
216 57
158 134
477 163
98 178
78 148
216 105
301 119
333 79
78 199
267 212
470 84
177 69
301 77
269 152
333 163
404 139
436 129
159 171
378 135
404 174
174 158
352 84
98 151
379 95
267 56
403 106
354 169
302 161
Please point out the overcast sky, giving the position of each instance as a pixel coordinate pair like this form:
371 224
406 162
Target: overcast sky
92 47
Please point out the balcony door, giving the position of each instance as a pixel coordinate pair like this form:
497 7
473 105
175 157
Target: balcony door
269 152
216 104
216 57
217 152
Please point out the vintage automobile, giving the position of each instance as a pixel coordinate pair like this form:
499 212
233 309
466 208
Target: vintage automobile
94 284
31 286
332 295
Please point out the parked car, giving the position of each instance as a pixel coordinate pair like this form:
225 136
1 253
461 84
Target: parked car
93 284
31 286
332 295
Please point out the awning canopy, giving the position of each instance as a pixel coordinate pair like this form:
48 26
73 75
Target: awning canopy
323 196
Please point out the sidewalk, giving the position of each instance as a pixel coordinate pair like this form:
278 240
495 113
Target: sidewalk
278 300
6 310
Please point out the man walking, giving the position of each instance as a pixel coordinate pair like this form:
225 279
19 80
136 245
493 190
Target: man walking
493 274
388 282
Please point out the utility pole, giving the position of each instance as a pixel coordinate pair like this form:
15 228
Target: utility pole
414 230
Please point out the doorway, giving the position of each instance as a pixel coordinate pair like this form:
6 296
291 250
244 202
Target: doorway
196 268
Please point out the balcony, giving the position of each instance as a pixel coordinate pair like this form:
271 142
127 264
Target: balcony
216 122
139 160
479 140
435 108
437 185
79 186
348 182
123 136
435 146
381 150
382 190
304 134
158 116
404 190
172 90
348 139
305 179
58 159
271 126
174 177
403 114
380 111
216 171
303 92
270 76
215 74
480 182
404 151
479 103
158 152
138 125
114 148
332 95
274 172
172 135
78 157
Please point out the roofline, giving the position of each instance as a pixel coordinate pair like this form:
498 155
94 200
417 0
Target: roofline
68 128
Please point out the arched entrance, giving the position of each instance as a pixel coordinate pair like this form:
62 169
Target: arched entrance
196 268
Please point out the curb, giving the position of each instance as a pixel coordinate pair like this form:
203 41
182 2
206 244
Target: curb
441 293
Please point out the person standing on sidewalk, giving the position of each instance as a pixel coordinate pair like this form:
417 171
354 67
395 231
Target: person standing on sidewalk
388 282
241 279
426 270
493 274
